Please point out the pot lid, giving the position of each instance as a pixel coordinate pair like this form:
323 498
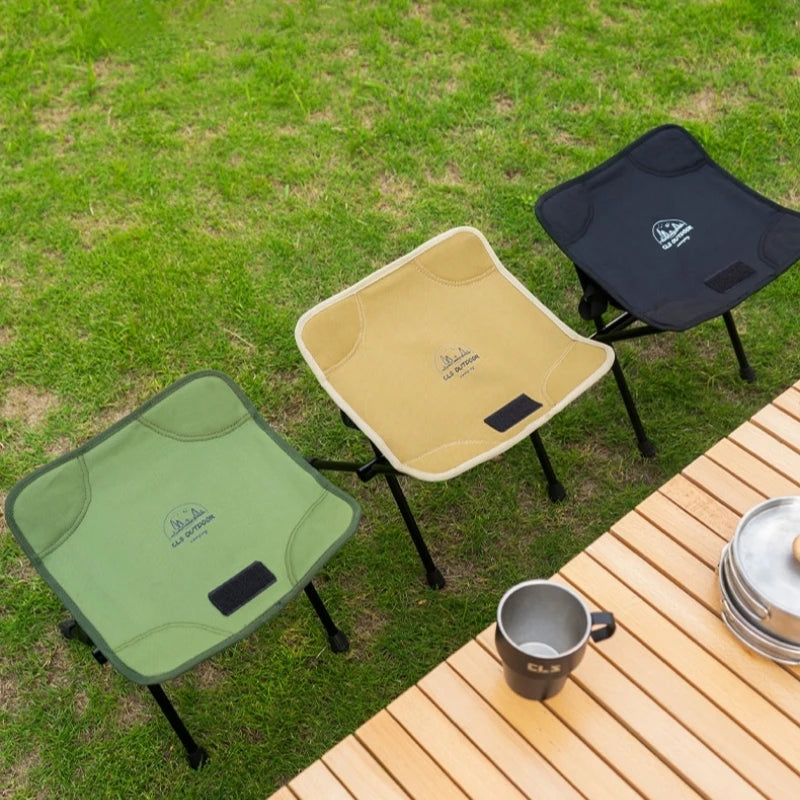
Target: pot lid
762 550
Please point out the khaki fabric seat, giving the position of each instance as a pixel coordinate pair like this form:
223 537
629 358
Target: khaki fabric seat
443 359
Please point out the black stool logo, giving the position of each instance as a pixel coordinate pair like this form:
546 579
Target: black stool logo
671 232
455 361
187 523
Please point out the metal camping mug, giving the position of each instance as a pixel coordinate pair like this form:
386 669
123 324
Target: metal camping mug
541 635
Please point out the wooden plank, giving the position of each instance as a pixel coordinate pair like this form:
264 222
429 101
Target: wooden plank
710 676
543 729
318 781
705 627
779 424
450 748
640 766
698 504
726 737
283 794
522 764
689 532
418 774
669 558
789 402
360 773
681 749
767 448
722 485
751 470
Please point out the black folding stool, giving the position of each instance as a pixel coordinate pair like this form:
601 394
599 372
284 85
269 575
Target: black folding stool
664 234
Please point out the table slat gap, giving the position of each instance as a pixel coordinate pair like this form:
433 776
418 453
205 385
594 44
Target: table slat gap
779 424
710 675
755 473
768 449
450 748
317 781
723 486
789 402
686 754
405 760
360 773
701 506
672 560
682 528
523 765
702 625
540 727
664 683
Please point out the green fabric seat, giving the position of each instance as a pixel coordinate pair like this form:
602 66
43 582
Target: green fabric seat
180 529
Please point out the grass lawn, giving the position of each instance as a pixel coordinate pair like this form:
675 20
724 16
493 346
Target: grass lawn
179 181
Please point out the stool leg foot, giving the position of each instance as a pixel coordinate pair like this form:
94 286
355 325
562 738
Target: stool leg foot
197 758
71 630
339 642
434 578
336 639
746 372
555 489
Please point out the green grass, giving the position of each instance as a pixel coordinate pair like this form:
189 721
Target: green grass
179 181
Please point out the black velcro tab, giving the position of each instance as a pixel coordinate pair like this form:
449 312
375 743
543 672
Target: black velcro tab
512 413
241 588
728 278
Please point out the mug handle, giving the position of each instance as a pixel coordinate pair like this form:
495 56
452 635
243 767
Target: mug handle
606 619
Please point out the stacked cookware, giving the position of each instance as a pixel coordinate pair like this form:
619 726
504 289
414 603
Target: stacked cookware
759 579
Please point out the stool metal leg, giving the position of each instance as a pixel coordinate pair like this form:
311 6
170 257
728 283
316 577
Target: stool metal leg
196 755
646 447
554 488
336 638
432 574
746 372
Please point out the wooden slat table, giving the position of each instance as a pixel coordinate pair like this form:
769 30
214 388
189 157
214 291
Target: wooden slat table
671 707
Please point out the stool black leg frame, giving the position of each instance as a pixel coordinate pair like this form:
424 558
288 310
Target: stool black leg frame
646 447
197 756
380 466
618 329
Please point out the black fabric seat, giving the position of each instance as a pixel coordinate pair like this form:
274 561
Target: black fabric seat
666 235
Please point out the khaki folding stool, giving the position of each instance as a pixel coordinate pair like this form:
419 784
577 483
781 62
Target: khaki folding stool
443 360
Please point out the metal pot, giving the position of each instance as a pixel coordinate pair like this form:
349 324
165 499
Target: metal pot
759 577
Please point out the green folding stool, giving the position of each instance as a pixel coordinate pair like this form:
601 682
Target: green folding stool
178 531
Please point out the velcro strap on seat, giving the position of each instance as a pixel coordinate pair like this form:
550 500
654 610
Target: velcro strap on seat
512 413
241 588
729 277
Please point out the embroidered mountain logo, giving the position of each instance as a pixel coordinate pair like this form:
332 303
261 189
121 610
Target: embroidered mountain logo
455 360
187 523
671 232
